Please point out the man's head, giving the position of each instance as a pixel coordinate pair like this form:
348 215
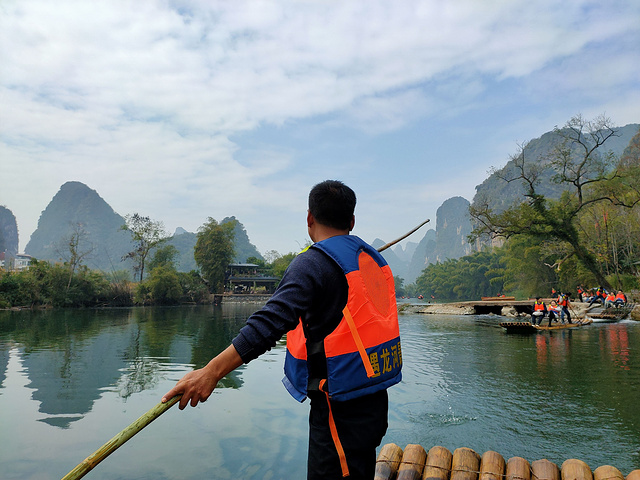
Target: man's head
332 203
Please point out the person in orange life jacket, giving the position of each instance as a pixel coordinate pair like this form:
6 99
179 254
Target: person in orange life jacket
539 311
553 310
597 297
564 303
621 298
325 290
609 299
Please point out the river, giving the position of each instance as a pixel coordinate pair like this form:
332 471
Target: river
72 379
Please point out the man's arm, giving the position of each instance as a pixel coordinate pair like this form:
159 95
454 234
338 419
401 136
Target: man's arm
198 385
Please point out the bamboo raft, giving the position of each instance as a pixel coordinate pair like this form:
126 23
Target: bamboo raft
465 464
527 327
613 313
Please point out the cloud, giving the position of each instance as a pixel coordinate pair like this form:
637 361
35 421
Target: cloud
159 105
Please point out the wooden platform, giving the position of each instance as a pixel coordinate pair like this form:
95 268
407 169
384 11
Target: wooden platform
414 463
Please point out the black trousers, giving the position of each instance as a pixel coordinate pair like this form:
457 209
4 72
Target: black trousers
361 424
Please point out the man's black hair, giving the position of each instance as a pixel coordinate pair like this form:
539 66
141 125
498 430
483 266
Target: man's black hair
332 203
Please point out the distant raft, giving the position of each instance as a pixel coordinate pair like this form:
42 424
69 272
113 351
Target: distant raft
414 463
527 327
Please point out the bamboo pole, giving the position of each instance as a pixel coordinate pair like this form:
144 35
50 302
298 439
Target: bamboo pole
465 464
492 466
390 244
574 469
412 463
634 475
388 462
607 472
438 465
518 468
108 448
544 470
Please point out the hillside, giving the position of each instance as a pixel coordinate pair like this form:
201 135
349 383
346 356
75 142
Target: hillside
500 195
8 232
77 209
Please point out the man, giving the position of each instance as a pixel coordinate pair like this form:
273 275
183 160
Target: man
564 302
337 301
621 299
539 311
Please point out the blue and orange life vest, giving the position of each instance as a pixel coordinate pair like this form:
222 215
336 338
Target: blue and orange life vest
363 353
563 300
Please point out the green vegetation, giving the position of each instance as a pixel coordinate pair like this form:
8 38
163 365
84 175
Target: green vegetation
73 284
214 251
589 235
146 234
593 182
470 277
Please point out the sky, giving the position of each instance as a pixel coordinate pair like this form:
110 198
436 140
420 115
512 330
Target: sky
184 110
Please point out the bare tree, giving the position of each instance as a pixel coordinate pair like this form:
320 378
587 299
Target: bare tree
146 235
590 176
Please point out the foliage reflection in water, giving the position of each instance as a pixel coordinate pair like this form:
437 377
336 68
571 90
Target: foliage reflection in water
70 380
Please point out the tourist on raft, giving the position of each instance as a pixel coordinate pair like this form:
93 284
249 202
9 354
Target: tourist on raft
539 311
610 299
564 302
336 302
553 311
598 296
621 299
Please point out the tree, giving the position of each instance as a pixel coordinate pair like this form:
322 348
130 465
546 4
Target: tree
146 235
465 278
75 251
164 285
590 176
281 263
214 251
164 256
399 286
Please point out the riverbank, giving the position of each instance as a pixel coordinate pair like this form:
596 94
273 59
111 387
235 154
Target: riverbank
507 308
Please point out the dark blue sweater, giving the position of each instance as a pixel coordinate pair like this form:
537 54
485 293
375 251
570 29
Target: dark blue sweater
313 289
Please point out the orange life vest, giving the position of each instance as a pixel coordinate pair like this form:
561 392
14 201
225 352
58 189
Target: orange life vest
363 352
538 306
621 296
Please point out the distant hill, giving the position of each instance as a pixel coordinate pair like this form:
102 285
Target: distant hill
77 208
500 194
453 225
243 246
448 240
185 243
8 232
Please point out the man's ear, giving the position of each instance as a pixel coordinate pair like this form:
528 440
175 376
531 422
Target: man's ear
310 219
353 223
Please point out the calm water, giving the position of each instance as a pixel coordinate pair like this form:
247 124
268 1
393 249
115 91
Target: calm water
70 380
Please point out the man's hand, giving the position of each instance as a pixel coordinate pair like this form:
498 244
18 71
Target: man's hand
195 386
198 385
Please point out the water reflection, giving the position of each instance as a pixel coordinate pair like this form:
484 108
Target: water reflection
69 380
72 357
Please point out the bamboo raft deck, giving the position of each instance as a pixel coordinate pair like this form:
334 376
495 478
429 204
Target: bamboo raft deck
527 327
613 313
414 463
